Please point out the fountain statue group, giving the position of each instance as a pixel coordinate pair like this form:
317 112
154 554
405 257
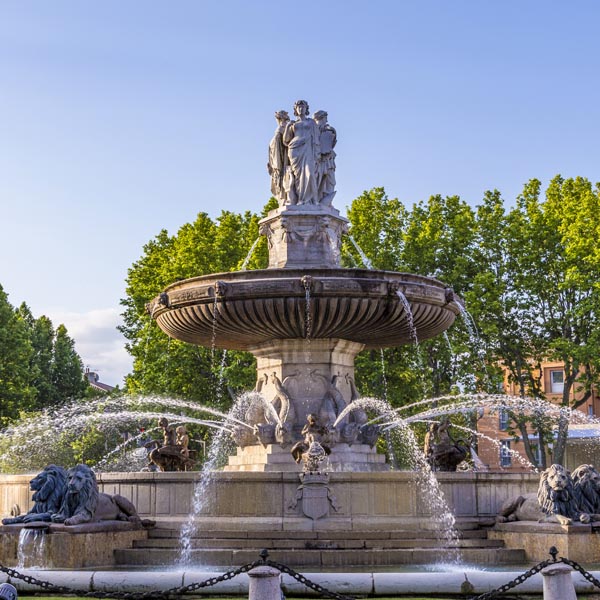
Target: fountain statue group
302 157
174 453
304 390
442 452
72 498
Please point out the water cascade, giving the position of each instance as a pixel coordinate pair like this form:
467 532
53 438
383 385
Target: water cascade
363 257
31 549
250 253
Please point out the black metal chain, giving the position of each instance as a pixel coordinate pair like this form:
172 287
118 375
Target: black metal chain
515 582
323 592
177 591
581 570
264 560
523 577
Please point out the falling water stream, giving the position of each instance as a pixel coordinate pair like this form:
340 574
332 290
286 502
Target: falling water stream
475 341
441 515
213 341
366 262
218 450
412 330
31 548
250 253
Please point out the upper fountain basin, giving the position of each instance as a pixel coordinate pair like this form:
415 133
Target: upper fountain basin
243 309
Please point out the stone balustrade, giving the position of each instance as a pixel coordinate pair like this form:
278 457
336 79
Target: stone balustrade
367 500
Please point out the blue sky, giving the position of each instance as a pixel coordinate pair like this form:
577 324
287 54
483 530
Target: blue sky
118 119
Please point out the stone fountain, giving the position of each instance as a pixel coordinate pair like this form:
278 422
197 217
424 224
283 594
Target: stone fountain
304 318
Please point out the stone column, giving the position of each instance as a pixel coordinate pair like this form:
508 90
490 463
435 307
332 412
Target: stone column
558 584
265 584
303 366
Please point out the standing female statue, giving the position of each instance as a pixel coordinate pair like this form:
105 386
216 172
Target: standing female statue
302 140
326 158
278 159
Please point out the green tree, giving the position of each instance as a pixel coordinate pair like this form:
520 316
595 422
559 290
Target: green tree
556 270
166 366
42 339
67 368
16 392
498 308
377 225
439 242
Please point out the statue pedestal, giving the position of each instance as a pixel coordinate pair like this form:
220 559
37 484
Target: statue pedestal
304 236
274 458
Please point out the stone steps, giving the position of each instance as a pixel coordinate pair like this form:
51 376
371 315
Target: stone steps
167 535
319 549
274 458
320 558
404 534
233 543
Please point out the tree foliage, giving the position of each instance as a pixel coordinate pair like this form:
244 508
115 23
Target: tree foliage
39 367
556 271
166 366
16 391
528 274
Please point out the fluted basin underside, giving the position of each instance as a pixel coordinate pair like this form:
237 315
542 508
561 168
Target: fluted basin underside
244 309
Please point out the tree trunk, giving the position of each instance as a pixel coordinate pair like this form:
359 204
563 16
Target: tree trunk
543 460
528 449
558 456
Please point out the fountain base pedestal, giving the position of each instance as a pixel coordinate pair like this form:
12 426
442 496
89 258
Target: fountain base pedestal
274 458
578 541
91 545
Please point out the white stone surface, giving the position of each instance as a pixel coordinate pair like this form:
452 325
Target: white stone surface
342 583
380 584
558 584
265 584
138 581
389 584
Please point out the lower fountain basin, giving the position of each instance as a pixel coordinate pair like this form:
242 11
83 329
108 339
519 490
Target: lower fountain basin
243 309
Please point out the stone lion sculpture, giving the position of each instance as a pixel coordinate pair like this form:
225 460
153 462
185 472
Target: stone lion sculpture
83 502
555 502
586 482
48 489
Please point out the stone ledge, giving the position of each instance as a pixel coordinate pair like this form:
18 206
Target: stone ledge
537 538
68 551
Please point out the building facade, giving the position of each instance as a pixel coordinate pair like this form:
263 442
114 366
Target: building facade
500 451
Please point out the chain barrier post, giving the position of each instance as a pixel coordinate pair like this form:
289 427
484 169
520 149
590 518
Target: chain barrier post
558 583
264 581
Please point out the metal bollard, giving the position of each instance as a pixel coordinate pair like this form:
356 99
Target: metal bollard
558 584
265 584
